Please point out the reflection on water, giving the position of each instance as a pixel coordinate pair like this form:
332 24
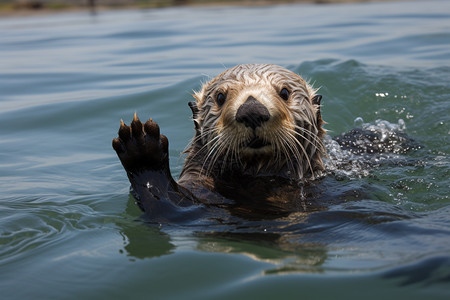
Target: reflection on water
144 241
282 249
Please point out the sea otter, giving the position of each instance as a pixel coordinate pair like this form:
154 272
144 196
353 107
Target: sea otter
258 139
258 136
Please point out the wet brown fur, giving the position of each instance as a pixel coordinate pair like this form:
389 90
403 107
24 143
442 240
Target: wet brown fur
217 149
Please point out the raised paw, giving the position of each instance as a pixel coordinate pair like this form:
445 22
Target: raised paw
141 147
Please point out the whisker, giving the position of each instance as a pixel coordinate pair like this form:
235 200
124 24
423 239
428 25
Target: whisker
303 149
288 143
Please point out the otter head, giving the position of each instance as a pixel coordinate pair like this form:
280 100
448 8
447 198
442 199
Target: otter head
261 119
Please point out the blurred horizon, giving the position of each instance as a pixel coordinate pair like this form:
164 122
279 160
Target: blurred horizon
13 7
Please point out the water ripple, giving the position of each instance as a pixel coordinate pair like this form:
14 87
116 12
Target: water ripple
68 227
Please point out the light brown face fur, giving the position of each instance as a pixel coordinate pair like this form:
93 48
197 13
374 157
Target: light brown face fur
260 117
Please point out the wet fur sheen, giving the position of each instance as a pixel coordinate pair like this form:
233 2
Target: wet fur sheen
293 134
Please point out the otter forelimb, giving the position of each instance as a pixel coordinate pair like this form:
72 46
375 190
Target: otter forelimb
143 152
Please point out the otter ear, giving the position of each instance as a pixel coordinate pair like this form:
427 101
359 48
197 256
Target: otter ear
316 101
194 108
195 111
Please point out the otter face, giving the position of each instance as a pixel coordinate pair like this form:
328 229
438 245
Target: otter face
263 118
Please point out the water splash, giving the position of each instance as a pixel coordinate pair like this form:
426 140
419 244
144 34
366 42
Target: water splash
385 128
354 153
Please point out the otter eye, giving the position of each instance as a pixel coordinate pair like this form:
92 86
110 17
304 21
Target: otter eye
220 99
284 94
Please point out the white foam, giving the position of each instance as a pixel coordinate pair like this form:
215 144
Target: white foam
344 164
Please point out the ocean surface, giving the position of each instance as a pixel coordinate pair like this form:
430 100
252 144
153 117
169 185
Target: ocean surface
69 228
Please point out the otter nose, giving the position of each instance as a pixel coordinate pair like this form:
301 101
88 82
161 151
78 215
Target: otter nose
252 113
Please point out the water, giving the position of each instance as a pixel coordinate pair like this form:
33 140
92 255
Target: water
69 228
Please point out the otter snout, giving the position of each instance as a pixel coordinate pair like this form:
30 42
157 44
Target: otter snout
252 113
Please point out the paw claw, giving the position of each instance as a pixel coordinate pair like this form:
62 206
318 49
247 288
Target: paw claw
124 131
151 129
117 145
136 127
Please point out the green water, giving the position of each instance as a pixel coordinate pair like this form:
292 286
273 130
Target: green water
70 230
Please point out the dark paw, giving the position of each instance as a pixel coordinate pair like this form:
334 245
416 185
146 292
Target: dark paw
140 147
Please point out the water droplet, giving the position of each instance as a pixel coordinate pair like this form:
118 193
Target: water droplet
401 124
358 122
